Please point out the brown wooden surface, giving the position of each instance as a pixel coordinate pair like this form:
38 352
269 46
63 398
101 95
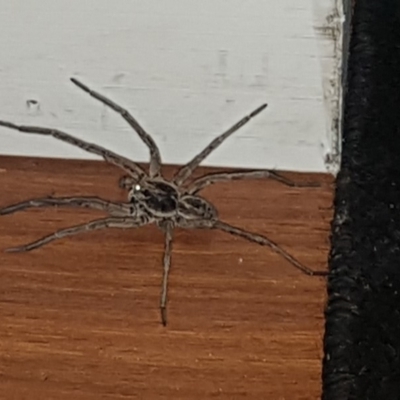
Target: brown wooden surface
80 320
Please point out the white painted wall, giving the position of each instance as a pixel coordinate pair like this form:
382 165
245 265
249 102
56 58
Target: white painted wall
187 69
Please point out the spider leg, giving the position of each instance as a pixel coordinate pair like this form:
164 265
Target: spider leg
168 228
127 165
264 241
95 203
185 172
111 222
209 179
155 157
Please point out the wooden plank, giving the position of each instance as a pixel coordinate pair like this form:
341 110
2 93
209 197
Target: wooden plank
80 319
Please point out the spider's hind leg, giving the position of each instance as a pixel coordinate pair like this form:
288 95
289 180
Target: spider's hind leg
256 238
110 222
167 227
264 241
94 203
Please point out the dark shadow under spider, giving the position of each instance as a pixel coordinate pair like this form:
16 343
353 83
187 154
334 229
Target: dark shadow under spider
152 198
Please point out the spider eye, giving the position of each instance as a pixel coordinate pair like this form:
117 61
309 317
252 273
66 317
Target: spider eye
137 188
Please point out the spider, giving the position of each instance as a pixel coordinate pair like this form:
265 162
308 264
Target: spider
151 198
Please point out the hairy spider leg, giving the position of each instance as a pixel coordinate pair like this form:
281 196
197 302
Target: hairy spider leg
127 165
155 157
252 237
168 229
110 222
95 203
186 171
209 179
264 241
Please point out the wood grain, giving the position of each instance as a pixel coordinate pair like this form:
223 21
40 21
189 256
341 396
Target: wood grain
80 319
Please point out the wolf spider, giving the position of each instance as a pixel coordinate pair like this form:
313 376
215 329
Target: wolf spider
152 198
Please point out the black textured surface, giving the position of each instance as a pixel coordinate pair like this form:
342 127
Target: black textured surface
362 339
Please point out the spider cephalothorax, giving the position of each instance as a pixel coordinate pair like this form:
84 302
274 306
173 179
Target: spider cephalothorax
158 198
151 197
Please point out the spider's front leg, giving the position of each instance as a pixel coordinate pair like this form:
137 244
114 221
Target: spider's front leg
124 163
155 157
187 170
